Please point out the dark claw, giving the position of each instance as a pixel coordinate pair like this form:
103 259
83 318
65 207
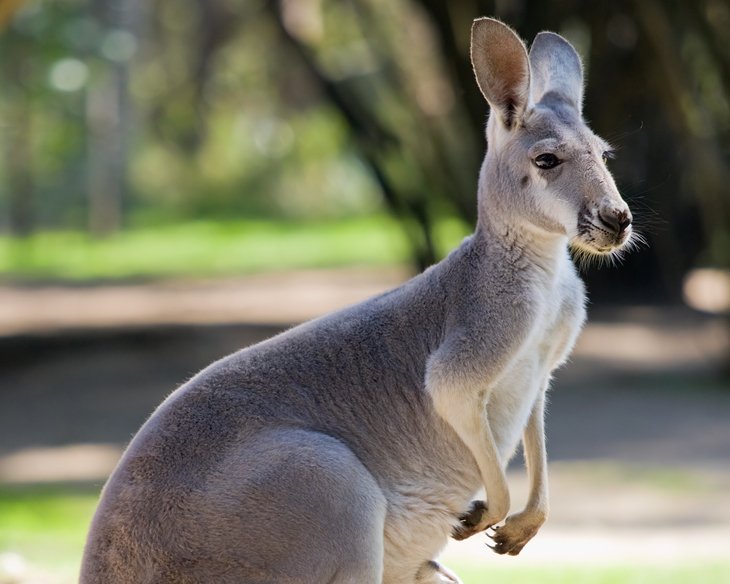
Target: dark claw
499 546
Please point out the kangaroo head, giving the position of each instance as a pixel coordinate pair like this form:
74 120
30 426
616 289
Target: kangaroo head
544 167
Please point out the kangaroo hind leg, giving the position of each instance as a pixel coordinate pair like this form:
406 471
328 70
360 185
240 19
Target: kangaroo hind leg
309 511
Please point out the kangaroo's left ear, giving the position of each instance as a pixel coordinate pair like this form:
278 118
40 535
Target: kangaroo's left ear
556 70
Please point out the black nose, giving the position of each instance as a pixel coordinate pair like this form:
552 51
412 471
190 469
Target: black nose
616 221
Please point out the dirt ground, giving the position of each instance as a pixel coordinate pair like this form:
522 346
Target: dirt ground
638 424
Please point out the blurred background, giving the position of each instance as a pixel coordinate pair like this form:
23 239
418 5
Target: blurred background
179 179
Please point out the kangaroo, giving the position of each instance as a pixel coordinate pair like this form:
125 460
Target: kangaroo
348 449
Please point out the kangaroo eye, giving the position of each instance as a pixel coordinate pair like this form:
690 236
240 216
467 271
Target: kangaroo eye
547 160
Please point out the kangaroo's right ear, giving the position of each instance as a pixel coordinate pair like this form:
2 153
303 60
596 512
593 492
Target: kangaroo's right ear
557 69
502 69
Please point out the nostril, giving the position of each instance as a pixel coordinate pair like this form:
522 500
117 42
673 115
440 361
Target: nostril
610 221
615 221
624 221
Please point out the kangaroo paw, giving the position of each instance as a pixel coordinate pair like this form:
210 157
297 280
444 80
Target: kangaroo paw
511 537
471 522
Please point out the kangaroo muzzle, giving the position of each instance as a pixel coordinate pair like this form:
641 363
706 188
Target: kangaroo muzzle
605 228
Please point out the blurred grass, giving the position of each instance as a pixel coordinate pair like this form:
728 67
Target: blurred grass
203 248
45 527
208 248
587 574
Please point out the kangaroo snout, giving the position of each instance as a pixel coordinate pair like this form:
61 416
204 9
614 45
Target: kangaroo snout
605 228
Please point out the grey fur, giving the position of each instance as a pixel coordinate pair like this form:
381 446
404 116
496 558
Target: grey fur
345 450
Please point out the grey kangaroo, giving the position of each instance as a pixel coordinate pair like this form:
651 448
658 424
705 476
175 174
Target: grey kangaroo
348 449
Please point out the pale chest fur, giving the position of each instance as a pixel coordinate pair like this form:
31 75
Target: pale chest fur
559 307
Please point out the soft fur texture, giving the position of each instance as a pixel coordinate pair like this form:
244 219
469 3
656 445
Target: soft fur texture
347 449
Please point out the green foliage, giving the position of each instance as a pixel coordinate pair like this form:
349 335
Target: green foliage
191 134
114 110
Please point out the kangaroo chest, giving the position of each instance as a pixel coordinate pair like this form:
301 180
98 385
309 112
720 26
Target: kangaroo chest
559 316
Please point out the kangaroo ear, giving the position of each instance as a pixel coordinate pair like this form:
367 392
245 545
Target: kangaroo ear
556 70
502 69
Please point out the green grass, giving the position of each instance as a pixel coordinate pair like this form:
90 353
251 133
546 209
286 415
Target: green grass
46 527
204 249
685 574
658 477
210 248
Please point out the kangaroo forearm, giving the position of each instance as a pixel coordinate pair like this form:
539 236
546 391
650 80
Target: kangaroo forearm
536 459
467 417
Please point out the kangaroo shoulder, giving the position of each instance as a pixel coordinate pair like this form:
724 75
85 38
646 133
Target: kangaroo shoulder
483 333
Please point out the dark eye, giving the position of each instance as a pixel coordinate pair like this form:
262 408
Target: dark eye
608 155
547 160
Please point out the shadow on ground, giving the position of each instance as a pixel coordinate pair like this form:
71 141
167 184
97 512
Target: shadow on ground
644 386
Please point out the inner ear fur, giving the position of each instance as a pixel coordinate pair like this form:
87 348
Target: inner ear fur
556 69
502 69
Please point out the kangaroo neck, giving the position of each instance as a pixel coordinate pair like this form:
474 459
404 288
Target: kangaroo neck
518 240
